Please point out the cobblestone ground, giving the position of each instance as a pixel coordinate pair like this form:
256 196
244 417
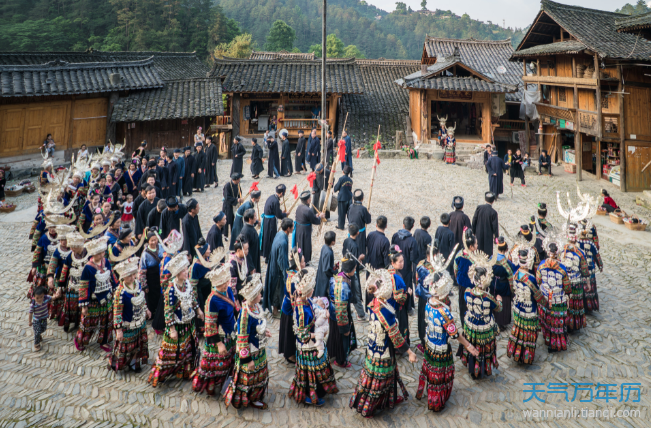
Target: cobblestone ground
62 387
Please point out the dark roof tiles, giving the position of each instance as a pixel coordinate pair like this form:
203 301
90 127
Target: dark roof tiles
633 22
449 83
281 55
565 47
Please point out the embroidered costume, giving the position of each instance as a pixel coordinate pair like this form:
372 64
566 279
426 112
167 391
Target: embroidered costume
556 287
341 323
593 259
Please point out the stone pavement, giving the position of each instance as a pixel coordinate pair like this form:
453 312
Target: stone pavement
62 387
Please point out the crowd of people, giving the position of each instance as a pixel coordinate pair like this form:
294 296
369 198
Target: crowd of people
110 254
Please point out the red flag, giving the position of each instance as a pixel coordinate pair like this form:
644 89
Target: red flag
377 146
378 159
254 187
342 151
357 153
294 191
311 177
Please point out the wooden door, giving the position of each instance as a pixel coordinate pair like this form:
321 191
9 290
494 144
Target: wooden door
638 155
89 122
12 121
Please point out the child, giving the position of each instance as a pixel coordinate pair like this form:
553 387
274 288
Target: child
525 161
38 314
127 211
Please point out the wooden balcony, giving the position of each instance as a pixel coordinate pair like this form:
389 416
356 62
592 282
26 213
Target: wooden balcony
561 81
304 124
511 125
222 122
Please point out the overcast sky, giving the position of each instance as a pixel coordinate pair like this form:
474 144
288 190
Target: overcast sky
517 13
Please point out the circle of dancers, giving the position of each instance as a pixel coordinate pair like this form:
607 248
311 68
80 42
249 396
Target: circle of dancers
93 273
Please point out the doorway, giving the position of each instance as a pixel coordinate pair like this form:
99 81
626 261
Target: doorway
466 116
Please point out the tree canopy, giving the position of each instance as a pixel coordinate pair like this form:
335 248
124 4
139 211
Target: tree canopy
335 49
629 9
240 47
281 37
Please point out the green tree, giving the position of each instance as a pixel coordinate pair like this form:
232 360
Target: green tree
334 46
423 5
281 37
401 8
640 7
353 51
240 47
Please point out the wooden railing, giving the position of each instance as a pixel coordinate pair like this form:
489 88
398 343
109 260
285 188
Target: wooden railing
223 120
511 124
304 124
610 125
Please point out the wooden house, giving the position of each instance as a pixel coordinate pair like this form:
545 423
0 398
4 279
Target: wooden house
471 82
592 72
91 97
285 89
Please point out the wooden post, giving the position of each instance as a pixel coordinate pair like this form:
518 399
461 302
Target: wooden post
71 125
324 114
538 67
622 133
331 179
370 191
578 148
573 67
599 113
524 67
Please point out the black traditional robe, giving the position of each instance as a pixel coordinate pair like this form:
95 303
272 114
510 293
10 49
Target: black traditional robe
199 165
136 204
319 185
360 217
302 237
232 192
325 271
191 233
286 159
313 151
377 250
143 213
256 160
458 221
485 226
423 239
172 178
163 176
496 168
211 163
274 160
299 157
410 253
188 180
238 151
153 219
269 227
171 220
238 221
446 240
214 238
276 272
330 151
251 235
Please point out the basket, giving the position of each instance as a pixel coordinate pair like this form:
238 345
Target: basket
602 212
639 226
29 189
7 209
617 217
14 193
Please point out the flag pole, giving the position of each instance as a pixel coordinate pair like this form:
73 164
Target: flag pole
331 179
370 192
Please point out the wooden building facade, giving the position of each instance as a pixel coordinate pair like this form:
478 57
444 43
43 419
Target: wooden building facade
595 91
472 83
283 89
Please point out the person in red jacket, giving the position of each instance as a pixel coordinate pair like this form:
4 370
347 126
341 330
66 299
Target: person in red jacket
609 203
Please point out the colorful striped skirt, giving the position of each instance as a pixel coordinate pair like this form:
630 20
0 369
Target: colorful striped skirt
437 375
176 357
248 386
213 368
484 341
522 341
132 348
377 388
591 298
99 320
553 326
450 155
314 377
576 312
56 309
71 309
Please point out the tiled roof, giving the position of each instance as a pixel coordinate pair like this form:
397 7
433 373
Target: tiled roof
179 99
484 56
448 83
566 47
633 22
62 78
596 29
281 55
288 76
382 102
170 65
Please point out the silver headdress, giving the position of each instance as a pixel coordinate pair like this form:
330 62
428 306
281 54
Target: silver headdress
97 246
178 263
127 267
127 251
96 231
573 215
553 236
220 275
382 280
173 243
439 282
215 258
307 282
252 288
481 270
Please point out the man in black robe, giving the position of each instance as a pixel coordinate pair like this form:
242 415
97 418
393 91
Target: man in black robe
445 240
305 218
256 159
153 219
172 174
423 238
360 217
191 228
172 216
313 150
248 231
285 157
216 232
238 220
188 178
162 174
345 188
144 209
151 170
487 155
350 247
199 168
330 150
142 195
326 268
377 246
211 162
496 167
409 248
299 157
319 186
276 269
238 151
232 196
458 221
273 163
180 167
485 224
271 212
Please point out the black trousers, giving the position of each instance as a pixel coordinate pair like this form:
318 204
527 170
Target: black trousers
342 207
548 168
